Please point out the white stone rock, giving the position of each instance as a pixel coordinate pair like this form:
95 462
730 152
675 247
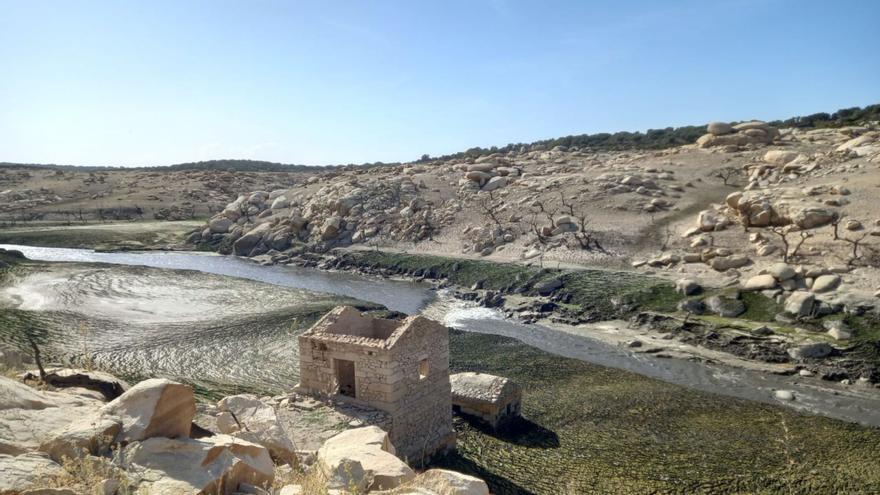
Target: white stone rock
760 282
215 464
440 482
782 271
786 395
256 422
363 458
825 283
18 473
153 408
800 303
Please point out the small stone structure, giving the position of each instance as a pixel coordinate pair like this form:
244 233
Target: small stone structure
493 399
400 367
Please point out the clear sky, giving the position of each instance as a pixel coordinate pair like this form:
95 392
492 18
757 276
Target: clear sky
154 82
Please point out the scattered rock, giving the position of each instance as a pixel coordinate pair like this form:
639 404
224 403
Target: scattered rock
215 464
760 282
800 304
725 306
825 283
252 420
687 287
440 482
153 408
362 458
786 395
816 350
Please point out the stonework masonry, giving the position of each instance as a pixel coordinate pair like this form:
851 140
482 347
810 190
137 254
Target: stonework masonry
401 368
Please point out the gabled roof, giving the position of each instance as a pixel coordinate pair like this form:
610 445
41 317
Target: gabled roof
347 324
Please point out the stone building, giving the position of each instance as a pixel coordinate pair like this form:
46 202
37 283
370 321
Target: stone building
400 367
492 399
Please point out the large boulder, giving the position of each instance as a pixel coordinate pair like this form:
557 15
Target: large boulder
760 282
153 408
220 225
478 176
816 350
779 157
362 458
547 287
800 303
782 271
28 417
811 217
719 128
92 434
440 482
246 417
331 227
245 244
17 395
18 473
722 263
495 183
280 202
216 465
826 283
109 386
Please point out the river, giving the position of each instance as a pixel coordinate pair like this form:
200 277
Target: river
859 404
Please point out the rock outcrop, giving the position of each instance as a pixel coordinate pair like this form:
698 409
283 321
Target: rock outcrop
246 417
362 458
217 464
153 408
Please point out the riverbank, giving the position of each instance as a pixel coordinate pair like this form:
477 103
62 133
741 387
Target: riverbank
111 236
588 427
761 338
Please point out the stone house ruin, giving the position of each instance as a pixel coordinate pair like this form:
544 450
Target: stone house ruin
399 367
492 399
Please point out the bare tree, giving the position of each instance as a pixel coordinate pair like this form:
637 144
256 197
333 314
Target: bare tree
855 253
783 232
727 174
584 236
489 206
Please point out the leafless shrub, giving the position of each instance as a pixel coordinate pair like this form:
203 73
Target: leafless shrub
783 232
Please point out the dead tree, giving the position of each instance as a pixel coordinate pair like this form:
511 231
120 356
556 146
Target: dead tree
488 206
37 358
727 174
856 244
783 233
585 237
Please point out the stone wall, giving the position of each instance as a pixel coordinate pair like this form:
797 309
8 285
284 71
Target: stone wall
406 375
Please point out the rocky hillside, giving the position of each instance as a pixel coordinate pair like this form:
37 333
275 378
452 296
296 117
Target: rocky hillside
788 214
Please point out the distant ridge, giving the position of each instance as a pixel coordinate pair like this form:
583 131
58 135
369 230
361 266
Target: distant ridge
652 139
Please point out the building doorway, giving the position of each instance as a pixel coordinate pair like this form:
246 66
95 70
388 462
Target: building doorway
345 377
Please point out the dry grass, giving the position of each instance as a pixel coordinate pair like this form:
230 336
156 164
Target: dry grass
86 474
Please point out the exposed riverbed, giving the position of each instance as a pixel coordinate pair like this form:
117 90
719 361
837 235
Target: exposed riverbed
188 324
226 325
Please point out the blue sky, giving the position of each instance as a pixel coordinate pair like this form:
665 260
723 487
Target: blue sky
160 82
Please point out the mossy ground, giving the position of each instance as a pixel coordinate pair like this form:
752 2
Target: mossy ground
591 429
129 235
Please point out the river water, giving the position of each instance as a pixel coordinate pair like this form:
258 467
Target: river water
853 403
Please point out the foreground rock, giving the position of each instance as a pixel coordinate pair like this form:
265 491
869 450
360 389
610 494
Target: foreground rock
218 464
153 408
440 482
246 417
28 417
362 458
21 472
